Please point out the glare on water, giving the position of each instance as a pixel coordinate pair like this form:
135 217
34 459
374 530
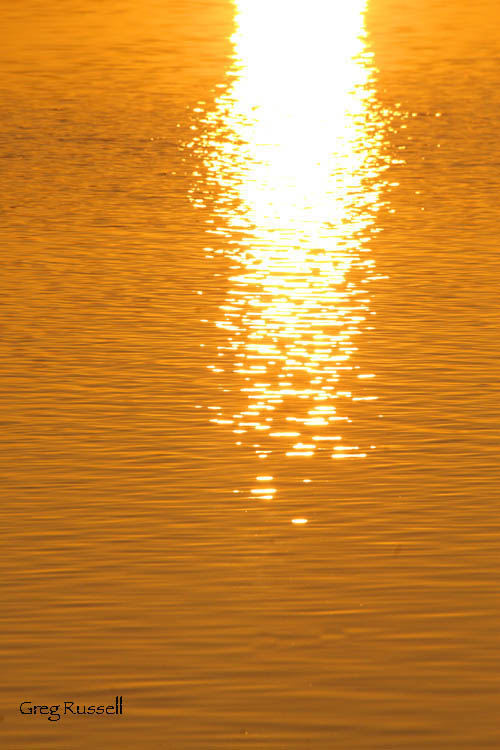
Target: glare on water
295 151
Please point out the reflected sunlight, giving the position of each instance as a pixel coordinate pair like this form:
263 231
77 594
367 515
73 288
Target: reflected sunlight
293 151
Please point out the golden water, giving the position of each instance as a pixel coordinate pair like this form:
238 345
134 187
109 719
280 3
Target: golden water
250 374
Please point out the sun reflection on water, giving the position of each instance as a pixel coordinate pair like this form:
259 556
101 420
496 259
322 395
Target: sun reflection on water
292 157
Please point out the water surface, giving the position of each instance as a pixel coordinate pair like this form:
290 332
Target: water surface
250 356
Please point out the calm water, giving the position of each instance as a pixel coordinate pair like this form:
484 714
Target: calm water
250 374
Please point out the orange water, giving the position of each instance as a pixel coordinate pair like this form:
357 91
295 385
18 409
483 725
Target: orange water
250 374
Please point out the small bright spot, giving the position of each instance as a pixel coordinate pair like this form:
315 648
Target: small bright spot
299 520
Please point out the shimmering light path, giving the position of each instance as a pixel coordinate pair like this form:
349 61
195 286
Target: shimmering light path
294 153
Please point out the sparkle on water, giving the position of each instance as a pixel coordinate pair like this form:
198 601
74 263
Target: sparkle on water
294 147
